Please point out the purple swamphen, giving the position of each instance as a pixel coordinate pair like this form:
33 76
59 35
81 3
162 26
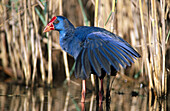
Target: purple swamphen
94 49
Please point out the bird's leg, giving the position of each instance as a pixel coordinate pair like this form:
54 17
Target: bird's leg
108 92
102 86
97 85
97 91
83 91
101 92
82 106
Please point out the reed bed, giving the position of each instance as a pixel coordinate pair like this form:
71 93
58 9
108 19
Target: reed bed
28 54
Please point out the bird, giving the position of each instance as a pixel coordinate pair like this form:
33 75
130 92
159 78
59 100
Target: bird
95 50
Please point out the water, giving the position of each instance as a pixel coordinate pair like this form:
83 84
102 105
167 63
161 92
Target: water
125 96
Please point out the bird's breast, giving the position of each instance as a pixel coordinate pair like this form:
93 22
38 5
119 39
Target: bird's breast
71 45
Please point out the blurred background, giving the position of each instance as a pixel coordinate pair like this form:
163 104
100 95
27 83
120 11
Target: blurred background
34 71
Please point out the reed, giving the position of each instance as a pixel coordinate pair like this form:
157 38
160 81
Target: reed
34 47
8 36
24 47
155 64
64 53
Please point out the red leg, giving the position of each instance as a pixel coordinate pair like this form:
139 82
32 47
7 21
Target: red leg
83 91
101 85
101 92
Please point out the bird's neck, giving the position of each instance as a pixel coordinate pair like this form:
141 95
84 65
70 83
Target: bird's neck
65 38
66 31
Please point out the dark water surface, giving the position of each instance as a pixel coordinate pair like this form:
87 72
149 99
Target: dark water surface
125 96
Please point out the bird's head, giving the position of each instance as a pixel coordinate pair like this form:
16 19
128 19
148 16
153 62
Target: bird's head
58 23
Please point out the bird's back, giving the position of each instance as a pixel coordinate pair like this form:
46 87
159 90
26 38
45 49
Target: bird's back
82 32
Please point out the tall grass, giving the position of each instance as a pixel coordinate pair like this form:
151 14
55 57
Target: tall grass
27 51
155 35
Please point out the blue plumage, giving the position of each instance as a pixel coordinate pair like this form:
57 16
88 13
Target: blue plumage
94 49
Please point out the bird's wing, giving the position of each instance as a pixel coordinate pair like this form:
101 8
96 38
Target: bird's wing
101 51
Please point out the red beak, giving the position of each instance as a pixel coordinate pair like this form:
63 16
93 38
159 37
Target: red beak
50 25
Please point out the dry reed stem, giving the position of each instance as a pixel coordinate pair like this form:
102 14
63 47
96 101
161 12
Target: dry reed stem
112 16
34 49
34 53
92 80
163 45
33 108
25 25
66 66
144 48
96 13
91 102
42 98
9 40
38 46
156 49
15 43
40 4
155 77
32 29
50 78
64 53
24 50
158 52
49 107
19 12
35 63
42 69
119 19
3 53
67 101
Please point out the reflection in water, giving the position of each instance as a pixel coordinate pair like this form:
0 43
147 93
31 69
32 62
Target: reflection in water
124 97
67 101
91 102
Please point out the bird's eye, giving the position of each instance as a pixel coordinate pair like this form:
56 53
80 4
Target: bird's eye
56 21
